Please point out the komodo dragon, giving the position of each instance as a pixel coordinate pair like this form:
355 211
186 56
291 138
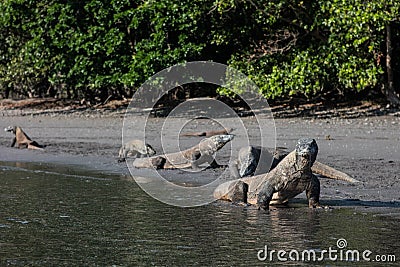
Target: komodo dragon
254 160
192 157
208 133
247 163
21 139
290 177
135 148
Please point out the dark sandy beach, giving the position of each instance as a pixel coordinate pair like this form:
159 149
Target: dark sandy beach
367 148
73 204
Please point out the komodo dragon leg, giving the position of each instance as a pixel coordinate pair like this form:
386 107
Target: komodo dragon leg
264 196
14 140
313 192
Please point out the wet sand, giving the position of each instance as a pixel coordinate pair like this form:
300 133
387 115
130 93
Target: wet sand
366 148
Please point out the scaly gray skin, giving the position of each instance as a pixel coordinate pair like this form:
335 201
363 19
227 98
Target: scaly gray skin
192 157
249 158
289 178
21 139
208 133
135 148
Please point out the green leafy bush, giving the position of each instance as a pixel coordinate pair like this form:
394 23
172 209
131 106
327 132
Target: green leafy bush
95 49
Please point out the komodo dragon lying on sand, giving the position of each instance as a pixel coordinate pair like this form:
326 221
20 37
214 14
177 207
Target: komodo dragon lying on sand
208 133
21 139
290 177
254 160
192 157
135 148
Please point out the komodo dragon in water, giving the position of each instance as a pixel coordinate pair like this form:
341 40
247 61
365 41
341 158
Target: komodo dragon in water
192 157
208 133
21 139
135 148
254 160
290 177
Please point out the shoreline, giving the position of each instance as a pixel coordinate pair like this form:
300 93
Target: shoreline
367 148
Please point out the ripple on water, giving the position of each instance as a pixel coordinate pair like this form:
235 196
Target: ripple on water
113 222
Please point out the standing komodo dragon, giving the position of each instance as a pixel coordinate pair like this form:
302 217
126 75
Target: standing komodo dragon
254 160
208 133
135 148
192 157
290 177
21 139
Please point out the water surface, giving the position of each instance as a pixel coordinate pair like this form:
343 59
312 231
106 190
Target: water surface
55 215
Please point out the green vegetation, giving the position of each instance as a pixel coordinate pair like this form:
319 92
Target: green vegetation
95 49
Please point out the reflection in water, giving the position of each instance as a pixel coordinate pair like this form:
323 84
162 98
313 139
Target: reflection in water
49 218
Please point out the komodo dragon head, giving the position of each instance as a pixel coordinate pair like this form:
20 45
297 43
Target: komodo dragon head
11 129
306 152
214 143
248 158
148 150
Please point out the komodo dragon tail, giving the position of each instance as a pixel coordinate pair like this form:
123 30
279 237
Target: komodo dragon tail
332 173
35 146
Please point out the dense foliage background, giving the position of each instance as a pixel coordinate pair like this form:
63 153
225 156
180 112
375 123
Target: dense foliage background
96 49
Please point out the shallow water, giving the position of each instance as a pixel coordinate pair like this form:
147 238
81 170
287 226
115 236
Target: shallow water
55 215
